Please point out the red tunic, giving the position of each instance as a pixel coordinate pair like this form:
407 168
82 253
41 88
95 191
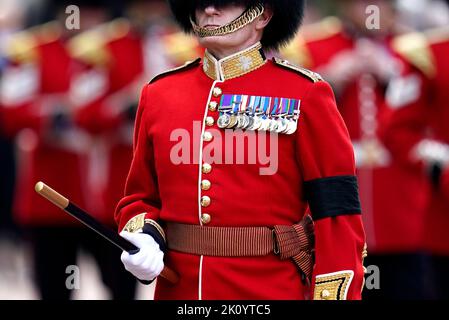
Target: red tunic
34 90
174 112
392 201
418 102
107 113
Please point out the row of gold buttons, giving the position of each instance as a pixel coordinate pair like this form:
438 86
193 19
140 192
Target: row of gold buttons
206 167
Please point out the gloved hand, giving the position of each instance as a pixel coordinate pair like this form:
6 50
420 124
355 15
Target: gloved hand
148 263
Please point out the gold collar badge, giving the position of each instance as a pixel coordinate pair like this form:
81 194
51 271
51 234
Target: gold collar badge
235 65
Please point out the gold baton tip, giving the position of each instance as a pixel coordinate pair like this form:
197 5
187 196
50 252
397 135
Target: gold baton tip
39 187
51 195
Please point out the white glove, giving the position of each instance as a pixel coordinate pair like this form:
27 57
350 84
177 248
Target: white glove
148 263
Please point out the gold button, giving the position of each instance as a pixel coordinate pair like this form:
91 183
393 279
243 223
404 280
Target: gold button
207 136
205 201
206 168
213 106
217 92
205 218
210 121
205 185
325 294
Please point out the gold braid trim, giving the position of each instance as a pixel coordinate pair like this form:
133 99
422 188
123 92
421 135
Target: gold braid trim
333 286
136 224
157 226
246 18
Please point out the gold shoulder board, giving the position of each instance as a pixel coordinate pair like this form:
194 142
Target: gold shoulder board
313 76
323 29
414 47
185 66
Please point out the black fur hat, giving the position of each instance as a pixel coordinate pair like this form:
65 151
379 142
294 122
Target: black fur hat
287 17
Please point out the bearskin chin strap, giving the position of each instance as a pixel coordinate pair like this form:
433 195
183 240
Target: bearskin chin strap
243 20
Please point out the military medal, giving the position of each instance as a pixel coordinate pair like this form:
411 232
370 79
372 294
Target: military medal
235 109
223 120
291 127
265 122
294 116
241 122
254 107
224 109
282 125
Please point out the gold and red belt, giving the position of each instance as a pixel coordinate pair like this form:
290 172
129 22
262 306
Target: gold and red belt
294 242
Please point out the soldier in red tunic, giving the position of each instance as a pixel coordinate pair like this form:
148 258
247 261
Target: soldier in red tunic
418 136
37 109
203 197
359 63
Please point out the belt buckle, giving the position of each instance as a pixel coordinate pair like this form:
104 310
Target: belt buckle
276 250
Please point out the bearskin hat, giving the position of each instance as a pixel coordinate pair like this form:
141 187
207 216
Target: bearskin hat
287 16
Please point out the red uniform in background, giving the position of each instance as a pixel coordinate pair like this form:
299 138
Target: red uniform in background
417 132
179 174
117 59
391 196
392 217
38 107
35 108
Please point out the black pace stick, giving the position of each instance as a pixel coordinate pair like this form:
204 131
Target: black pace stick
82 216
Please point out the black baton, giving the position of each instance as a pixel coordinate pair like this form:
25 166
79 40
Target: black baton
107 233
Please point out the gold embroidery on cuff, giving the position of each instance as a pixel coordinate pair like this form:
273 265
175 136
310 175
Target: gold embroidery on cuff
135 224
333 286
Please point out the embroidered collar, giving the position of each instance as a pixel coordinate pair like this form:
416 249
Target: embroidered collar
235 65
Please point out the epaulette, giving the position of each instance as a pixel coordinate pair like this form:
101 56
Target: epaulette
313 76
322 29
90 46
180 47
185 66
297 52
415 48
21 47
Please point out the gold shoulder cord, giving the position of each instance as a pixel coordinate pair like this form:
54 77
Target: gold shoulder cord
246 18
313 76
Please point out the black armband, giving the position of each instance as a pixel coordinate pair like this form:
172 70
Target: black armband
332 196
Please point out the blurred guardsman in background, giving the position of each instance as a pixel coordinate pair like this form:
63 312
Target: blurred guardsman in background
417 133
37 109
118 56
240 230
359 63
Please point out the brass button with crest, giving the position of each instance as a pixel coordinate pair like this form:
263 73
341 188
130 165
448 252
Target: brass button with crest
213 106
210 121
207 136
205 218
217 92
325 294
205 201
206 168
205 185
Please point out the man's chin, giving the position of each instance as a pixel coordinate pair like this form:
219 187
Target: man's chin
215 41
